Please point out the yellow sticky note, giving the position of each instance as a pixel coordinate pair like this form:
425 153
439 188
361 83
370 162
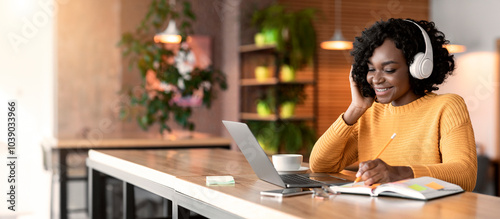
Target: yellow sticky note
417 187
434 185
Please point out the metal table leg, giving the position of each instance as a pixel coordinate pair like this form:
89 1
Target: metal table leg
96 199
63 184
128 201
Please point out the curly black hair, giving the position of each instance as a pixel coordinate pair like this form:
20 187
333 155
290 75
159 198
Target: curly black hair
408 38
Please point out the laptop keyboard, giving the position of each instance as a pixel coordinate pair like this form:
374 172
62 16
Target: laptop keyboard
297 179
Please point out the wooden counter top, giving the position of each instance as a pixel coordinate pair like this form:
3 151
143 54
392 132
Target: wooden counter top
244 198
189 162
197 139
185 172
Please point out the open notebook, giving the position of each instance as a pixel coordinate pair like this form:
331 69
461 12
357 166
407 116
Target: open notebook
422 188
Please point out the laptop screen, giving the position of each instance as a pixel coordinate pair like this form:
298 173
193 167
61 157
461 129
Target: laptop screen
252 151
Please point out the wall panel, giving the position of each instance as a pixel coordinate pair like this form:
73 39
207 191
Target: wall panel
88 67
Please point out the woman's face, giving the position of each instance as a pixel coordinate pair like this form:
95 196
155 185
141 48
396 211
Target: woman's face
388 75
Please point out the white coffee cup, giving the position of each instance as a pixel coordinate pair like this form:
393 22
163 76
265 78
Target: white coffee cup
287 162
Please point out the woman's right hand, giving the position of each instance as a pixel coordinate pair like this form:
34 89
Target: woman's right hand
359 103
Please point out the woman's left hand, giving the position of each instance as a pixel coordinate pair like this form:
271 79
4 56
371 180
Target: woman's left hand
377 171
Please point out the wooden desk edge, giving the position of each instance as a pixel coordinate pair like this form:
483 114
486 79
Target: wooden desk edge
136 143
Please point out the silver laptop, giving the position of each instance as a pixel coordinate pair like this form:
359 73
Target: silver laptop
264 168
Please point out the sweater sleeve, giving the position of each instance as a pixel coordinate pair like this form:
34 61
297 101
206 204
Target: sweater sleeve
457 148
336 148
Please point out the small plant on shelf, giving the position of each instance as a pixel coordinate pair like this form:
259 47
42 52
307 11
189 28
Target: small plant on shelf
293 36
262 72
293 33
266 104
290 96
283 137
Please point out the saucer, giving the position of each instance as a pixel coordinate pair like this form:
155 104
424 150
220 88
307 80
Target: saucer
300 170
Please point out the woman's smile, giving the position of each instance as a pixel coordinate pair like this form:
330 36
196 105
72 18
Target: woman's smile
382 91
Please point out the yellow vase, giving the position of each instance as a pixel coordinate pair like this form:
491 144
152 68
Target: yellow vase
287 109
287 73
263 109
261 73
260 39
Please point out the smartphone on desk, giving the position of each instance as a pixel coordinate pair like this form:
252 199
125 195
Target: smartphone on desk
286 192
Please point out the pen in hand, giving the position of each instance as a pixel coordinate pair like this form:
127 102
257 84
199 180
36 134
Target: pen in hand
379 153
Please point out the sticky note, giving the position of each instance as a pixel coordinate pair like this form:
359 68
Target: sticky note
417 187
434 185
219 180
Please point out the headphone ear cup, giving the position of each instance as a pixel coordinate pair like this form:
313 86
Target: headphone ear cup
427 66
422 65
415 67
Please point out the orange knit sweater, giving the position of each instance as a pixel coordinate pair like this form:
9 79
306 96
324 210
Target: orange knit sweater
434 138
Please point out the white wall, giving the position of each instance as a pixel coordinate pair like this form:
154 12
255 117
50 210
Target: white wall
27 76
476 25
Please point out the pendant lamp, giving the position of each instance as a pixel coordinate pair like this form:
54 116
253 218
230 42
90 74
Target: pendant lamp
337 42
171 34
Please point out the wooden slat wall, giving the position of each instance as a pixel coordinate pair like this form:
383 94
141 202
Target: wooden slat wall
333 66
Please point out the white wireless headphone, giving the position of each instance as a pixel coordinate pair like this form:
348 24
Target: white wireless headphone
422 65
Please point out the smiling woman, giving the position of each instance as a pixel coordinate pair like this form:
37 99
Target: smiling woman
435 136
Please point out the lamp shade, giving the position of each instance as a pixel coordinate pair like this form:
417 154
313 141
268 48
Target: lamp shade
170 35
337 42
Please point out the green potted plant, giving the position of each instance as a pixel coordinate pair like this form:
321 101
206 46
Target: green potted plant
287 73
293 32
266 103
262 71
294 37
283 137
287 136
168 97
290 96
265 134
